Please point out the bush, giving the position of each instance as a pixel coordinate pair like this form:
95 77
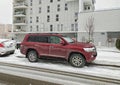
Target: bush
118 43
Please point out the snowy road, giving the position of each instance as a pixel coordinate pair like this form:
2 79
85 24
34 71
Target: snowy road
105 56
55 76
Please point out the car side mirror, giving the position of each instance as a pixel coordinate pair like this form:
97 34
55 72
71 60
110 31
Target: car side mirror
62 42
74 39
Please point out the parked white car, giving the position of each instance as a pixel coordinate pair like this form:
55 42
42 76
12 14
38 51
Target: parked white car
7 46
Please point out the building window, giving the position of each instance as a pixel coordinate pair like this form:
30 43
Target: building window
30 19
30 28
37 28
40 1
37 19
86 7
48 9
76 14
76 26
66 7
51 1
72 27
31 1
102 33
57 17
39 9
58 0
48 18
58 27
58 7
31 11
51 27
31 4
61 27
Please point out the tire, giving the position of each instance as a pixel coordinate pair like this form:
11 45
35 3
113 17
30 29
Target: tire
32 56
12 52
77 60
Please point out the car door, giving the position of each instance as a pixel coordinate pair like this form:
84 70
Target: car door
43 45
56 49
40 43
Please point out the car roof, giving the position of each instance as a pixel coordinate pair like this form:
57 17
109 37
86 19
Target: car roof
45 34
2 40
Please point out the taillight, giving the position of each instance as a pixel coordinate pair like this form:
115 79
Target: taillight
1 45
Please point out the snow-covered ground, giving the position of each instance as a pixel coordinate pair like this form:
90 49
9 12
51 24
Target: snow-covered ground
105 56
108 56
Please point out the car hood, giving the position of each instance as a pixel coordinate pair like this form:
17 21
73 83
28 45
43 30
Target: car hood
81 44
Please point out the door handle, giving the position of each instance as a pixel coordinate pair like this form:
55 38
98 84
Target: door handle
51 46
36 45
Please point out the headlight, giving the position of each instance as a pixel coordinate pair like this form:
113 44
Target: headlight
93 49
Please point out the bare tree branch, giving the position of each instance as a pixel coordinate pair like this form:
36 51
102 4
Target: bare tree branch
90 28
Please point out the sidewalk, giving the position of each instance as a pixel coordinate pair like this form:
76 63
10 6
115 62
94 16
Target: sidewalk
108 49
108 56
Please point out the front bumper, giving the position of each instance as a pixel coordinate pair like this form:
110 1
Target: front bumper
92 57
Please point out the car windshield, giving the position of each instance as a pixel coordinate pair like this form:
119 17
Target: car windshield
68 39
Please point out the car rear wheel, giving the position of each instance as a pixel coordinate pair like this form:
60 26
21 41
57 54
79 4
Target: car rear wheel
32 56
77 60
12 52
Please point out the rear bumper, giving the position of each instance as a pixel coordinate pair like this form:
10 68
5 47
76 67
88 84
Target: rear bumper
4 51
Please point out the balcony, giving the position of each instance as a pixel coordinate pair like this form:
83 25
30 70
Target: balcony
20 22
19 30
19 14
20 5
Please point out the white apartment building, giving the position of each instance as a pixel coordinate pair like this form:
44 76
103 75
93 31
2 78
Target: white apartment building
5 31
46 16
106 25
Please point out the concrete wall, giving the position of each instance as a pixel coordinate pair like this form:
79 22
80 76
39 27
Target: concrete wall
105 21
99 38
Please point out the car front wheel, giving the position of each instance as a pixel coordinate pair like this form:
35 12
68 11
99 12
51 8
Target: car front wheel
32 56
77 60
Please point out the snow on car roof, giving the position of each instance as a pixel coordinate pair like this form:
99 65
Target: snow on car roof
2 40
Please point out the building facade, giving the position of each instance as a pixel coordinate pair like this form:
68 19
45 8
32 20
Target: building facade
41 16
5 30
105 25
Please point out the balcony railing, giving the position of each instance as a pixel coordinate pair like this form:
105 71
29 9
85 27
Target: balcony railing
23 4
20 13
20 22
19 30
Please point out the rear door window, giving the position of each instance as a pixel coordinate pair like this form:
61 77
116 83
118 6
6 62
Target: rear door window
43 39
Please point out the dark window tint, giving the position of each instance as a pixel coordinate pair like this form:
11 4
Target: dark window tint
51 1
55 39
38 39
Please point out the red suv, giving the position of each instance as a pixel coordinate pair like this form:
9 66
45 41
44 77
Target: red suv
37 45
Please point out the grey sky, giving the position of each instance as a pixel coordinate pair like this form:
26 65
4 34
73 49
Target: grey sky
107 4
5 11
6 8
